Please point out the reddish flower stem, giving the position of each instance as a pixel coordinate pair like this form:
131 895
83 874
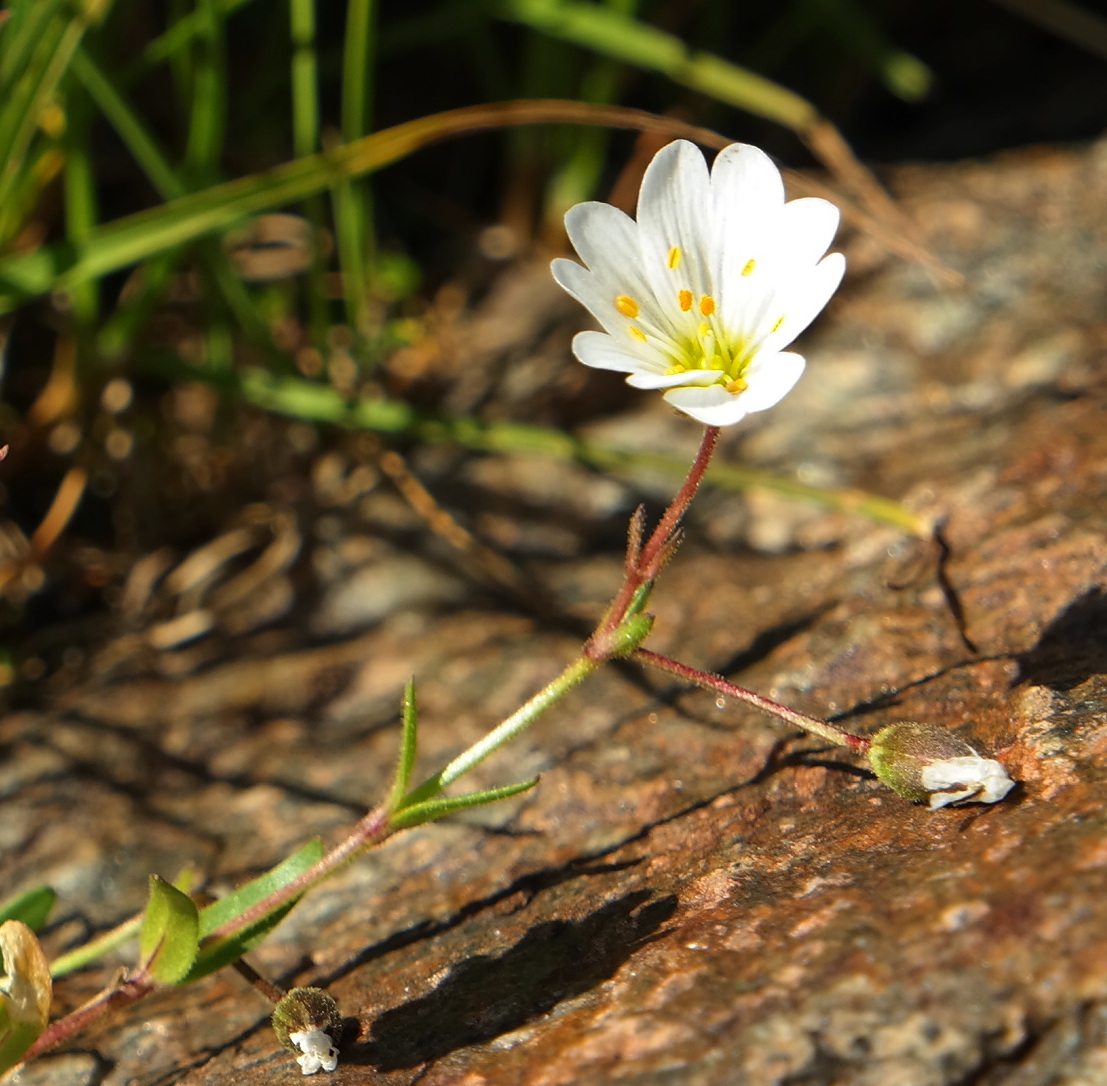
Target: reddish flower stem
643 564
127 991
811 724
372 830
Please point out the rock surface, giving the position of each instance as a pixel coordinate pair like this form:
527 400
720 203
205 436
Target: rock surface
693 894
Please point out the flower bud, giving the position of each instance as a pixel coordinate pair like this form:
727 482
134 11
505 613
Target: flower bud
307 1021
923 761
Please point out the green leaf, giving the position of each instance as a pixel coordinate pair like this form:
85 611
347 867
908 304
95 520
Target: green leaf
220 952
170 934
433 809
408 747
32 907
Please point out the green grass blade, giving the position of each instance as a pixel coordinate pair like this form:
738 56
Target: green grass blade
208 92
137 237
34 91
128 126
32 907
352 208
305 78
903 74
613 34
180 35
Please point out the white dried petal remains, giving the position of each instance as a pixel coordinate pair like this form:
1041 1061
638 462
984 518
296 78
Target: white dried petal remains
971 777
319 1052
700 295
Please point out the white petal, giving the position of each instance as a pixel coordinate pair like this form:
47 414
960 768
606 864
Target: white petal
712 406
672 380
807 227
770 377
970 777
605 237
674 208
805 300
592 293
675 193
743 176
748 196
607 241
319 1052
604 352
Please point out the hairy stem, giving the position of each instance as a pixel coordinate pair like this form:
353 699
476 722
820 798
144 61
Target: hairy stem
838 736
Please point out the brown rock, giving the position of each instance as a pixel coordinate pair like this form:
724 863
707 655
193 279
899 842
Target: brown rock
693 894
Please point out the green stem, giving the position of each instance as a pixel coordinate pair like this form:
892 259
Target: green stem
521 719
643 564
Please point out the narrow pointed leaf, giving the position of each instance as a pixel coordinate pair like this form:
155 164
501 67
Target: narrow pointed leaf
430 810
169 938
408 747
32 907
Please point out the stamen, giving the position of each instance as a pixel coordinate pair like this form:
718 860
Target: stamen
750 265
626 305
737 386
676 254
779 323
707 305
637 333
685 297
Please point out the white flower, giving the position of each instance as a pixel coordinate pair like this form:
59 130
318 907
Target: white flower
319 1052
971 777
700 295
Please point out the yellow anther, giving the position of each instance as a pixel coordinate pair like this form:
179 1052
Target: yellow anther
707 305
638 334
779 324
685 297
676 254
626 305
750 265
736 386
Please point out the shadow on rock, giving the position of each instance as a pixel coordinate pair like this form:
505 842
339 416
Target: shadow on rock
486 996
1072 648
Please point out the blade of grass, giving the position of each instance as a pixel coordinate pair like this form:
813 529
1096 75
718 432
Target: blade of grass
352 208
208 113
305 78
903 74
180 34
320 403
128 126
306 125
614 34
127 241
32 93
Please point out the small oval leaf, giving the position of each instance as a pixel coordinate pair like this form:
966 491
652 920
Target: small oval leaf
170 934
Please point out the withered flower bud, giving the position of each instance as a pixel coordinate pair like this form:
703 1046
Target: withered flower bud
923 761
307 1021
